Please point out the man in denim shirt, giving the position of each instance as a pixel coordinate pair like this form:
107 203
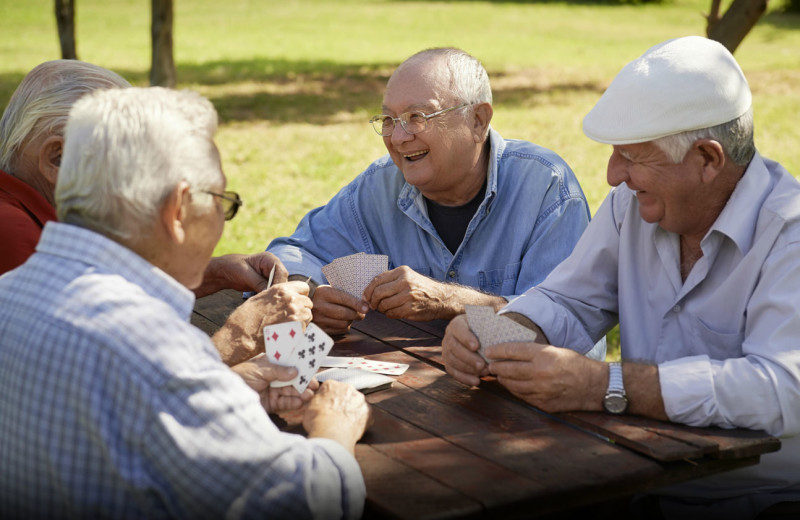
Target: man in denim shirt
465 216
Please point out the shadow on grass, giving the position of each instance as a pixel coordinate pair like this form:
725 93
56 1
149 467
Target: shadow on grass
316 92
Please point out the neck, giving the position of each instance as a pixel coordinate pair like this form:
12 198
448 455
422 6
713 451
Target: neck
469 185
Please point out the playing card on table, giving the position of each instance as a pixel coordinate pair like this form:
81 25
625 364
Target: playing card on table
382 367
492 328
353 273
342 361
361 379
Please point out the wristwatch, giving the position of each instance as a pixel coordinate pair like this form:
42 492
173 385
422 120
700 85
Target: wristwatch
615 401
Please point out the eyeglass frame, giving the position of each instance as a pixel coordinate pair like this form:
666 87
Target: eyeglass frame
373 119
234 201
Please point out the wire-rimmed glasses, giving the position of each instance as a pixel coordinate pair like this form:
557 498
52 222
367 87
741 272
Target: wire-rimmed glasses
412 122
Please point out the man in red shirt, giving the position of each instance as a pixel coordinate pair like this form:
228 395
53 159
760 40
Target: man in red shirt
31 139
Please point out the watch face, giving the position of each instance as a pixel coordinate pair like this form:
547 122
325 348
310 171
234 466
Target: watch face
615 403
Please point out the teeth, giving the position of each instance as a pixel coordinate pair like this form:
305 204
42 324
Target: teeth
415 154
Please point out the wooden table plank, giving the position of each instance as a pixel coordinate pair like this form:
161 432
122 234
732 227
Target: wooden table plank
667 441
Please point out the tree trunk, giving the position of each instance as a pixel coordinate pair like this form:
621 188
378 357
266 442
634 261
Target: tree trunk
737 21
65 20
162 72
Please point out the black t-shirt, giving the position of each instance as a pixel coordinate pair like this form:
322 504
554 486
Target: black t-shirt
451 222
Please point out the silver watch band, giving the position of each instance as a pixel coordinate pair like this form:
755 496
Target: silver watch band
615 383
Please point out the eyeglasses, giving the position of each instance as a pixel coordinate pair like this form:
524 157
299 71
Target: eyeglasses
412 122
231 201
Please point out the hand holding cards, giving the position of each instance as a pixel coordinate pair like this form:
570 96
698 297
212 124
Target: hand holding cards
352 274
491 328
287 345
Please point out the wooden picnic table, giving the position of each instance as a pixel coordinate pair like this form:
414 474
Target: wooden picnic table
439 449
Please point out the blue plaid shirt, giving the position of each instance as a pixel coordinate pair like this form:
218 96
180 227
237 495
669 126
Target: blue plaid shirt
113 405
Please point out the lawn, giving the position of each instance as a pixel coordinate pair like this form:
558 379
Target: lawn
296 81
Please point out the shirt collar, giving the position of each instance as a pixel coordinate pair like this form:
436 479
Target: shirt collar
740 214
109 257
29 198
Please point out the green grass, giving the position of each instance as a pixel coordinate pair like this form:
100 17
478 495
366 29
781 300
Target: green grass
295 81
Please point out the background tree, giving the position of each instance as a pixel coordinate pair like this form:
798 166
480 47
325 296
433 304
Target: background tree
65 20
733 26
162 71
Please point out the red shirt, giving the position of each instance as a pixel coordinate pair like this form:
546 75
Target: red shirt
23 214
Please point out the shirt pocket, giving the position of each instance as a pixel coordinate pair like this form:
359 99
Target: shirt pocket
500 281
716 344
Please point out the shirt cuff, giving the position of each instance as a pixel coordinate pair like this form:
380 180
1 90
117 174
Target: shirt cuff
687 388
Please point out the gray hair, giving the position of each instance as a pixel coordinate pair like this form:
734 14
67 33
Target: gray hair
469 81
736 138
42 101
127 149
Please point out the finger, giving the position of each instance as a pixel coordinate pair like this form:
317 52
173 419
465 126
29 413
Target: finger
390 295
326 293
463 377
295 286
382 279
515 351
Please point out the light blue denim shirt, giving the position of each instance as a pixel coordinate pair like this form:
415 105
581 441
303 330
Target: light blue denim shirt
531 216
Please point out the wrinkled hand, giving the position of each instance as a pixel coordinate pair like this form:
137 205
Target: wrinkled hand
241 273
550 378
335 310
242 336
404 293
258 373
460 353
337 411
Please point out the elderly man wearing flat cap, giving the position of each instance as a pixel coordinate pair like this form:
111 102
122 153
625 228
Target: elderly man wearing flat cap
696 254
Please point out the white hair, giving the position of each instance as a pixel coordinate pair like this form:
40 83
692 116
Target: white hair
736 138
469 81
127 149
42 101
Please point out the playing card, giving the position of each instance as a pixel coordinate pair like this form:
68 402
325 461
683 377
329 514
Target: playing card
341 362
353 273
361 379
381 367
280 340
491 328
307 357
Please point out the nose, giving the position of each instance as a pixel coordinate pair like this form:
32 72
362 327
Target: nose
399 135
617 170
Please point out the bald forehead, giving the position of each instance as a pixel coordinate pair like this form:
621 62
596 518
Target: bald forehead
426 74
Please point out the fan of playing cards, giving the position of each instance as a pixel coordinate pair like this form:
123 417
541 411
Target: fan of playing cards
287 345
492 328
352 274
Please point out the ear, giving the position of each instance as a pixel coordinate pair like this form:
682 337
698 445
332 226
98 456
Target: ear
50 157
481 117
174 211
713 159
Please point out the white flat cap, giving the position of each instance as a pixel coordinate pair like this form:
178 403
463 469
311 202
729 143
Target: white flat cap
679 85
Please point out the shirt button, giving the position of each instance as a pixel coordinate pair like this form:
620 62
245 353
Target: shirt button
677 308
451 274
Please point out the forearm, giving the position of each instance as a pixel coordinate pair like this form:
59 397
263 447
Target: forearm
234 345
213 279
643 387
455 298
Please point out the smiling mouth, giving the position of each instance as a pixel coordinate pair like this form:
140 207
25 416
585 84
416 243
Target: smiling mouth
416 156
